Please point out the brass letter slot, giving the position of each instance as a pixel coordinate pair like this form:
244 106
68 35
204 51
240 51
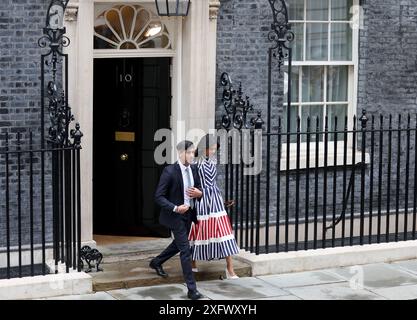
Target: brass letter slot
125 136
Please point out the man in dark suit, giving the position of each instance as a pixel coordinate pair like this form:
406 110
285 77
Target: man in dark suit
178 189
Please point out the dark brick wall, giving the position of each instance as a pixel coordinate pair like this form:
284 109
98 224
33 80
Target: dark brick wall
242 46
388 57
387 84
21 23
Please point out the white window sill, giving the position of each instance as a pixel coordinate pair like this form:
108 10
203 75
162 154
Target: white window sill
340 159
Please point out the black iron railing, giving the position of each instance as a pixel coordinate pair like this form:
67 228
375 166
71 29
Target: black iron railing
326 185
40 206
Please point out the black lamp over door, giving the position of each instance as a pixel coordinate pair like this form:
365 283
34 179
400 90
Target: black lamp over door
169 8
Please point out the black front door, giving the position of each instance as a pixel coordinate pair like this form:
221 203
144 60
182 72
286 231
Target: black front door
132 100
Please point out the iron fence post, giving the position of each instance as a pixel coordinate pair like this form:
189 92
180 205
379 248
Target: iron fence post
363 119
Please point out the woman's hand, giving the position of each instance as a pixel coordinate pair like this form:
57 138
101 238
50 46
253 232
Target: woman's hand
194 193
229 203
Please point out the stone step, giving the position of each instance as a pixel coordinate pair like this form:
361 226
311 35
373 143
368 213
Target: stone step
124 274
131 256
132 250
133 247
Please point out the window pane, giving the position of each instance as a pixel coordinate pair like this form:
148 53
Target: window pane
295 71
142 19
314 112
102 44
341 10
296 10
318 10
313 84
159 42
317 38
293 124
113 19
298 44
128 14
341 42
339 111
337 83
153 28
101 28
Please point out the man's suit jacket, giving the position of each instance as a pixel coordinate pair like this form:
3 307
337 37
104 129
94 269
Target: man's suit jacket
170 193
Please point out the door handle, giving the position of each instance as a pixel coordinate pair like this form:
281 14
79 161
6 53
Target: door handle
124 157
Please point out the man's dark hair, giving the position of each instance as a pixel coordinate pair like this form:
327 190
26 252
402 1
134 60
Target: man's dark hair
184 145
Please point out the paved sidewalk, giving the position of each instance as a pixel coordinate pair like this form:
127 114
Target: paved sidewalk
394 281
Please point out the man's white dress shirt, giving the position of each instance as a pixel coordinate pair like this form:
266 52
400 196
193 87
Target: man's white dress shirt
185 180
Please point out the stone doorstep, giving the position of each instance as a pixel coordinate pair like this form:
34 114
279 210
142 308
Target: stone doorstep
133 247
130 274
51 285
299 261
126 265
132 250
130 256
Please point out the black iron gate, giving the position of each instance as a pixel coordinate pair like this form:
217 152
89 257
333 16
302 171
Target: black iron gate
64 143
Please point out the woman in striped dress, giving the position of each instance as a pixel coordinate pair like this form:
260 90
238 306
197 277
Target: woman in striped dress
212 236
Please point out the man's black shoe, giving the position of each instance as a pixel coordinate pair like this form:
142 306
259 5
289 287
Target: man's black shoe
194 295
159 270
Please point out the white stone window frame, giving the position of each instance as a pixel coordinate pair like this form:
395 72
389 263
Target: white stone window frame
353 66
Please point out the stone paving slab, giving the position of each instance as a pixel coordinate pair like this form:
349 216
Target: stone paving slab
301 279
408 265
239 289
333 291
289 297
394 281
164 292
95 296
376 276
398 293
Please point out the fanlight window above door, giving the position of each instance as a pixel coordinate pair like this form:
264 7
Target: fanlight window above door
130 27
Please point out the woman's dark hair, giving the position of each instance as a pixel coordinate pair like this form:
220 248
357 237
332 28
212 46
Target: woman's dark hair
205 143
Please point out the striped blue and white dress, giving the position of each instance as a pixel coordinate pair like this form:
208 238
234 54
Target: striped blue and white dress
212 236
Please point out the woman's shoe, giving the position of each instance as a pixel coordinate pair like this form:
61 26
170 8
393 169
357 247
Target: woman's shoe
228 276
194 269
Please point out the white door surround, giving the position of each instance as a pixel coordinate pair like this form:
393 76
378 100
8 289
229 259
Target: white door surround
193 76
